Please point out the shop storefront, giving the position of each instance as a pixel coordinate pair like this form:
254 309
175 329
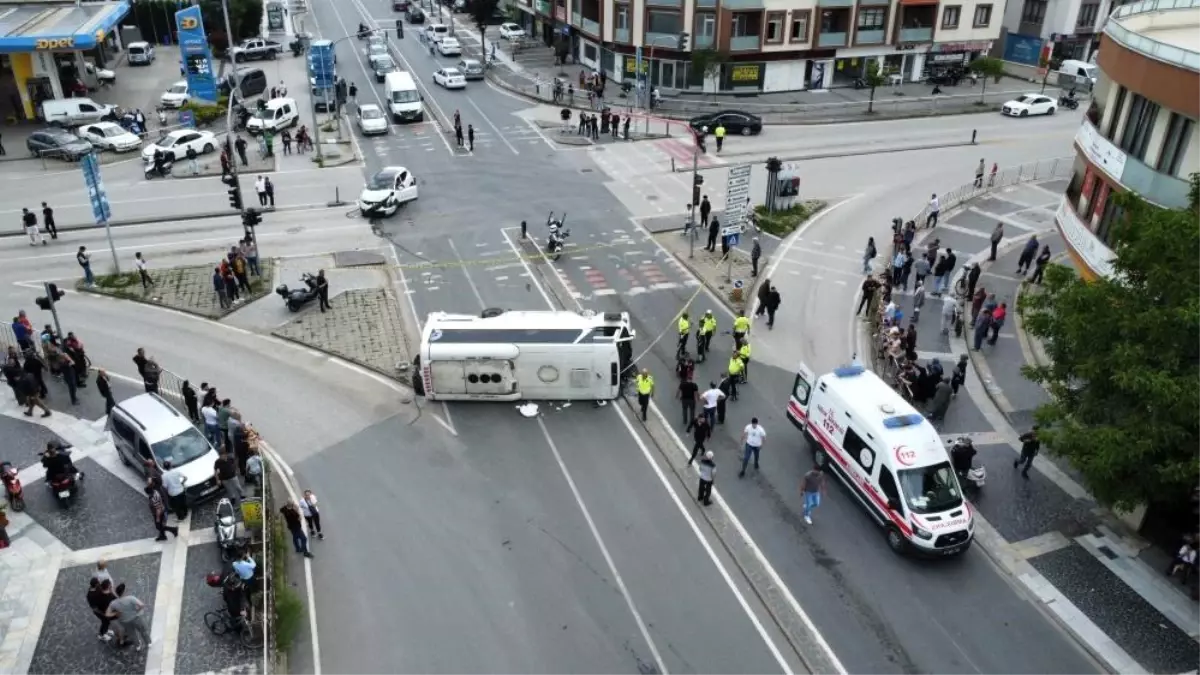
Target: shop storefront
44 51
949 54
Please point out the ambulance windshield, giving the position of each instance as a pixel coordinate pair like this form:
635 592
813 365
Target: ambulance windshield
930 489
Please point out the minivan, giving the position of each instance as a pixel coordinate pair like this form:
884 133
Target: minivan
72 112
147 430
1077 73
253 81
140 53
274 116
402 98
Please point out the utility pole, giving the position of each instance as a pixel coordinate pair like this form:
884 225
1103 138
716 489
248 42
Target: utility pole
695 193
235 186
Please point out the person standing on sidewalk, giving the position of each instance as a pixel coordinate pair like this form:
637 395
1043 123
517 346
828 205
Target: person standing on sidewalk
1030 445
708 471
687 394
270 192
869 254
997 235
48 220
260 188
979 173
812 486
752 441
104 388
312 515
935 207
719 132
323 290
998 316
772 304
645 389
139 263
705 210
1027 254
973 272
714 230
755 255
99 597
712 397
85 262
174 481
295 525
127 611
1039 265
218 283
159 511
701 431
869 286
918 302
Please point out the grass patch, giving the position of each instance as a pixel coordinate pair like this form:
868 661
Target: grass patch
783 222
289 609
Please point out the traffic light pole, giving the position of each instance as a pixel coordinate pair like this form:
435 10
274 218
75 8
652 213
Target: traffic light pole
53 307
235 182
695 175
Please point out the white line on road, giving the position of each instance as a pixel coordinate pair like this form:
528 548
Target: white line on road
737 593
612 566
467 274
493 126
528 269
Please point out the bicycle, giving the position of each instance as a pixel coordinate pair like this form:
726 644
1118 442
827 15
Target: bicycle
220 622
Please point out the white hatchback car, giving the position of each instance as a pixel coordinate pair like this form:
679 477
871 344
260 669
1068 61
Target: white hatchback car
386 191
110 136
511 31
1029 104
449 46
176 143
176 96
450 78
371 120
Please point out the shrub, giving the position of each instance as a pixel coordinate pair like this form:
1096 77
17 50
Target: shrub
781 223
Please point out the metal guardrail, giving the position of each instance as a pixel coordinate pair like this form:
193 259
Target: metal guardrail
1045 169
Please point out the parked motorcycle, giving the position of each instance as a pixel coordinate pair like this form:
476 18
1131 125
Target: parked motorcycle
962 456
299 297
12 486
226 530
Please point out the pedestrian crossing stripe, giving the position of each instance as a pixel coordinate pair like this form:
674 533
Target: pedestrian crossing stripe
503 259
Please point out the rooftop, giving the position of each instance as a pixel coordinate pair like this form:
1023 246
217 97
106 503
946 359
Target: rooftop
1166 30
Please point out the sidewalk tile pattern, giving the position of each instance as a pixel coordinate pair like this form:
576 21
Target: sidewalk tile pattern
199 651
105 511
190 289
364 326
1021 508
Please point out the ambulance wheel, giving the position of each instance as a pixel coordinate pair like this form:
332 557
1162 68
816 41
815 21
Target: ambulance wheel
820 458
896 540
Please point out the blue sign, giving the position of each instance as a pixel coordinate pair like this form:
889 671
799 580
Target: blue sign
197 58
321 64
187 119
95 185
1026 49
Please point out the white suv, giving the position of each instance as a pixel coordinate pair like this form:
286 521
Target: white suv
147 428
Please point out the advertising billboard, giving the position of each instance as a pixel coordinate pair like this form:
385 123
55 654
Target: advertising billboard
1025 49
197 58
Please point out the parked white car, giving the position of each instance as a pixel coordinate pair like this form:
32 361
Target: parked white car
437 31
450 78
387 191
104 75
371 120
1030 104
110 136
176 143
511 31
176 96
449 46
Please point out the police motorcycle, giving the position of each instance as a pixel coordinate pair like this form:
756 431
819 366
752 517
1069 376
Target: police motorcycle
557 241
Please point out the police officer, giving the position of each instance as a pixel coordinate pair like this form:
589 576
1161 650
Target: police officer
741 326
645 389
708 327
736 368
719 132
685 327
744 354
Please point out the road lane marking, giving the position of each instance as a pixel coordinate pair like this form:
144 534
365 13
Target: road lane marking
529 270
467 274
712 555
608 559
493 126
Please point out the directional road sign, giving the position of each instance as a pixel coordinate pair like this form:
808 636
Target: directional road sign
737 194
95 185
733 229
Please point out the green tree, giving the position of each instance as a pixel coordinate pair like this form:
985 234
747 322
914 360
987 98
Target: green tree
872 78
481 12
1124 353
987 67
707 62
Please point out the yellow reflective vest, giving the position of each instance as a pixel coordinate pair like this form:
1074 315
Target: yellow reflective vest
741 325
744 352
645 384
720 131
684 326
708 325
735 365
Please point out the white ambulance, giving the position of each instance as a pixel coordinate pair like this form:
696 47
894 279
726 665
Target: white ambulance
887 454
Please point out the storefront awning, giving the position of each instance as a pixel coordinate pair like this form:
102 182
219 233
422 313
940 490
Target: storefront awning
29 28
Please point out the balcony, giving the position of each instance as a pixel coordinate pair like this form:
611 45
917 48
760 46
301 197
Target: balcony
831 40
742 4
575 19
591 27
1135 175
621 35
706 3
662 40
744 43
916 34
702 41
869 37
665 3
1161 15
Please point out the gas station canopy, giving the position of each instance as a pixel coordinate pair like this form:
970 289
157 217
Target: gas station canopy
40 27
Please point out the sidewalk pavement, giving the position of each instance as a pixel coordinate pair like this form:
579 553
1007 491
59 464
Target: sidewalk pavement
1047 530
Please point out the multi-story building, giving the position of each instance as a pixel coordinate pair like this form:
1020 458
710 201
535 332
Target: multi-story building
1071 26
1139 134
765 45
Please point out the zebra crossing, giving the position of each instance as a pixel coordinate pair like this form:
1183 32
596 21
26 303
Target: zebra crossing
423 137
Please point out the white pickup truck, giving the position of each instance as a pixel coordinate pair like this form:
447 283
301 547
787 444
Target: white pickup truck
256 50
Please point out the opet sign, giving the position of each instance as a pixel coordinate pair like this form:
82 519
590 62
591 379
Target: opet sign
43 44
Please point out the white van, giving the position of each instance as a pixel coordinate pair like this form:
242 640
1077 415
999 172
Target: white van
139 53
1077 73
889 456
72 112
277 114
437 31
402 98
147 428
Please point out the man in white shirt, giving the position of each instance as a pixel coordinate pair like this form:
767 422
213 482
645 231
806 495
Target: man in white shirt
140 264
935 207
711 397
212 425
752 440
173 481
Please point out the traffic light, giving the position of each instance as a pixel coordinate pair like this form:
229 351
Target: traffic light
235 191
251 217
683 42
697 181
54 295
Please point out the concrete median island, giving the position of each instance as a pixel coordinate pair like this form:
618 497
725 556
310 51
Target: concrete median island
187 289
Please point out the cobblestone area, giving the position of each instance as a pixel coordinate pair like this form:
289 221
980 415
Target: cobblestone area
188 289
364 326
716 272
210 164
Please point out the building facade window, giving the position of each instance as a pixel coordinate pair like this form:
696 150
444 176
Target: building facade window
621 21
775 27
871 18
983 16
1175 143
799 30
658 21
950 16
1114 121
1034 11
706 25
1087 16
1136 137
745 25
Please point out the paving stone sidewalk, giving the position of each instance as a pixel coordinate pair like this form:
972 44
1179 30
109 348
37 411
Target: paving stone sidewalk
188 289
363 326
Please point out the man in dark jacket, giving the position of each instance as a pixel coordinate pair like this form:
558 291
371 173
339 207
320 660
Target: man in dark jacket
772 304
705 210
104 387
700 433
1027 254
1030 445
714 230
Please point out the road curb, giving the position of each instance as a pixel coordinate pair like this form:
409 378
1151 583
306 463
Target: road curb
206 215
733 160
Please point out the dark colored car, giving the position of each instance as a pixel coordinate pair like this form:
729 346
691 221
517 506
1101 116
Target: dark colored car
734 121
381 66
57 143
253 82
414 14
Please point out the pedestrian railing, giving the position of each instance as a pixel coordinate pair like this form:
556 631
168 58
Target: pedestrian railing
1043 169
